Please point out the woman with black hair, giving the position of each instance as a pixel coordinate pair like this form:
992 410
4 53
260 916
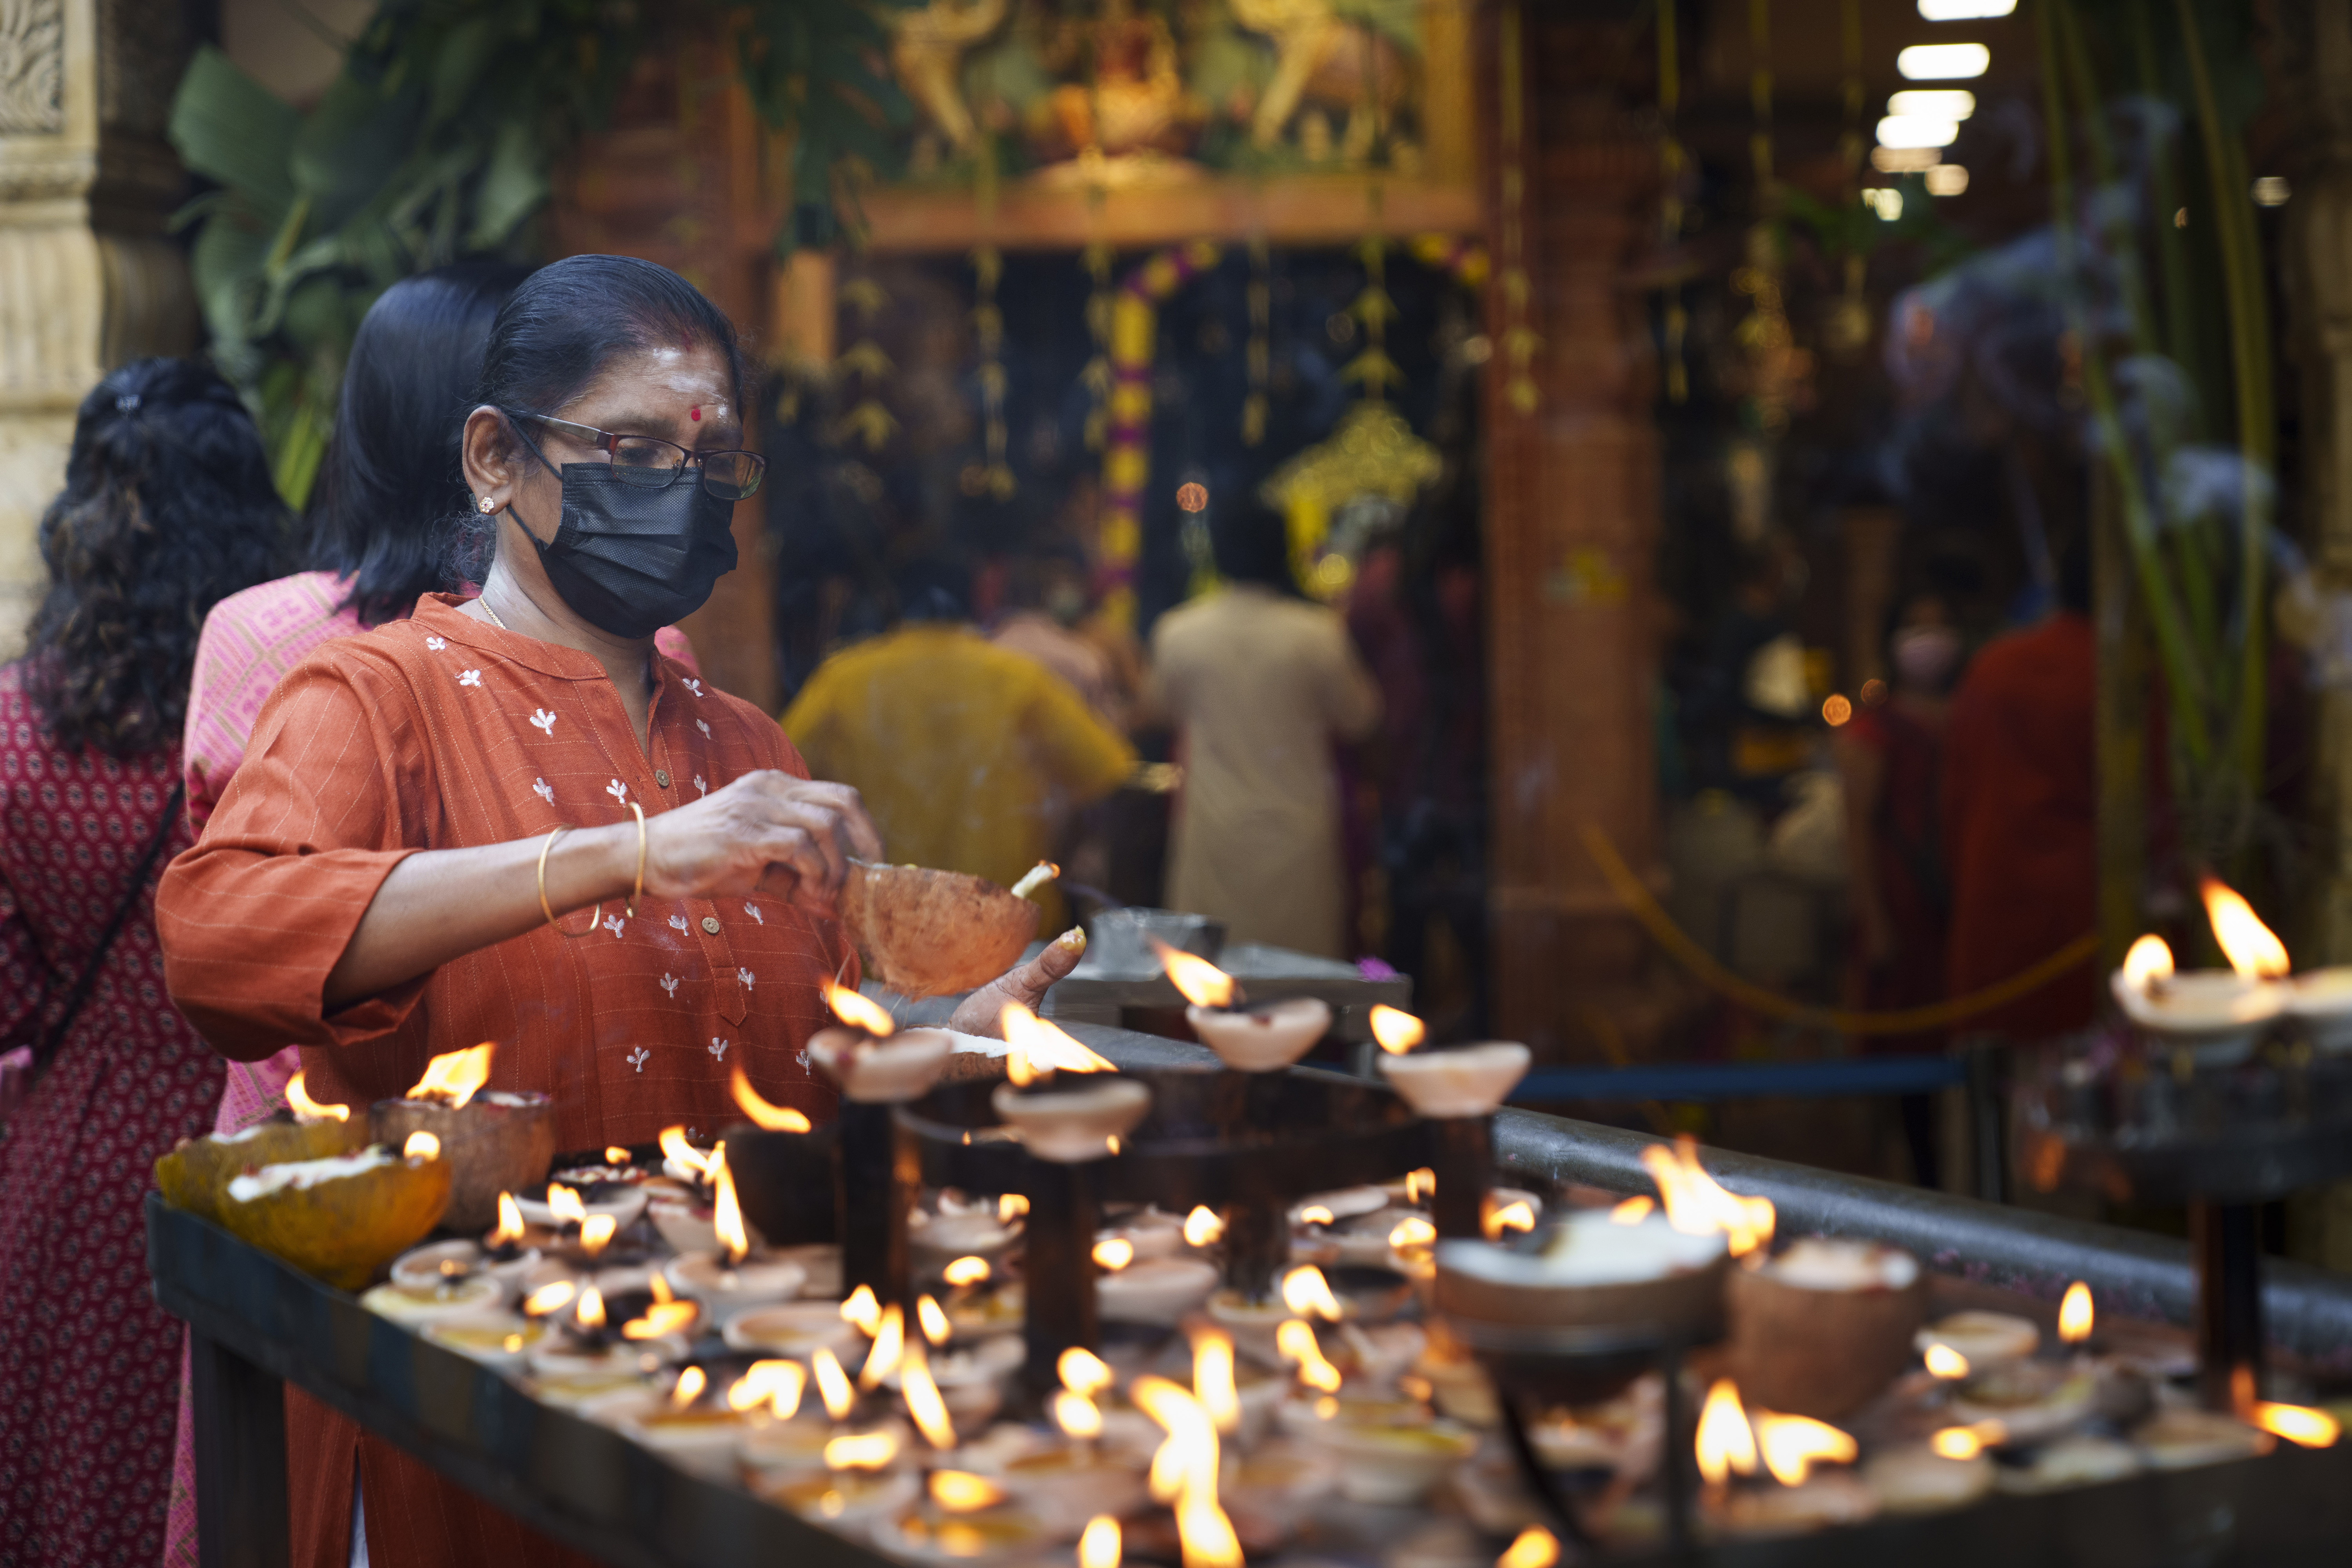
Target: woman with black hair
167 507
389 874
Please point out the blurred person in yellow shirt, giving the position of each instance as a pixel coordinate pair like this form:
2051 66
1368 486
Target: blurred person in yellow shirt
970 757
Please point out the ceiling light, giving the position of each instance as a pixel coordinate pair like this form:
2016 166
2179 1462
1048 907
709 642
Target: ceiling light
1916 130
1947 180
1964 10
1904 159
1943 62
1933 102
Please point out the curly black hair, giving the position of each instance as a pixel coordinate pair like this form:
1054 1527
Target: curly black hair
168 508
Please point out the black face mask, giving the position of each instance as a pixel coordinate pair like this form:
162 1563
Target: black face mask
631 561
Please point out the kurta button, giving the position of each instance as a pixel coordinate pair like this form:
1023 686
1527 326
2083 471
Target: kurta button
710 924
661 777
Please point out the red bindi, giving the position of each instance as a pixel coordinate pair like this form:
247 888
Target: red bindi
694 413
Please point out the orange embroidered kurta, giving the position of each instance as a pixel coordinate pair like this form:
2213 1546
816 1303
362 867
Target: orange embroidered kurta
442 731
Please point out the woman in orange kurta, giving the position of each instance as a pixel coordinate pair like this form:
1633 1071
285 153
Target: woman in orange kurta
369 885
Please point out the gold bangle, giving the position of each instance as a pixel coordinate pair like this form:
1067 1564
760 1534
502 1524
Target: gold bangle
640 893
595 918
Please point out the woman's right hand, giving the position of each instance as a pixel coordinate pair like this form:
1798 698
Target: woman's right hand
764 826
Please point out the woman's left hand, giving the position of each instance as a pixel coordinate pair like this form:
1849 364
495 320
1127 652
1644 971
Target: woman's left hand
1024 983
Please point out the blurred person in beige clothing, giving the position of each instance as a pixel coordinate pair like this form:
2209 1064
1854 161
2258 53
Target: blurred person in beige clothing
1260 685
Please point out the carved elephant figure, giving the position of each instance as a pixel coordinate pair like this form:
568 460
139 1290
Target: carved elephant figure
927 47
1322 59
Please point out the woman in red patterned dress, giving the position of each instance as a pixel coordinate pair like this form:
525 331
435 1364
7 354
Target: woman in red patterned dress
168 507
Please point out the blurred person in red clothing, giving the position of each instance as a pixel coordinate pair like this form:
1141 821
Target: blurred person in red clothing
2020 813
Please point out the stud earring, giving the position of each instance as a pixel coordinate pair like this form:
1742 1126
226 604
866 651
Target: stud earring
489 506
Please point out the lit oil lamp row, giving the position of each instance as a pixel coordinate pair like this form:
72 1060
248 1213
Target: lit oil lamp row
2218 1015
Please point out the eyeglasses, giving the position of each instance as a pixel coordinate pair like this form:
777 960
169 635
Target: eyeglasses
653 464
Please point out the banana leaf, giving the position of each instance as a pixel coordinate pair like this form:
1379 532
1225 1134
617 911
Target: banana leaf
227 127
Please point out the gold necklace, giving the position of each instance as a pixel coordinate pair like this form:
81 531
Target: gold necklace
484 601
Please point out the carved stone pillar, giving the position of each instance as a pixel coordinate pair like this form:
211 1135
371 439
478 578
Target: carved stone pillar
87 277
1572 525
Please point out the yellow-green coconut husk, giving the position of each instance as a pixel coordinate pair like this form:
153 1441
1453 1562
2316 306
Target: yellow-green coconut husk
195 1176
346 1228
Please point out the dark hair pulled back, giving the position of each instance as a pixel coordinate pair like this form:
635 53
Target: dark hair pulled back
168 508
566 324
394 485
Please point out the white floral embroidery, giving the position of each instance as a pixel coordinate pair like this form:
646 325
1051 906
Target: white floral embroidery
753 911
436 644
745 977
719 1047
802 1059
613 923
669 983
701 785
704 727
692 685
545 721
618 790
543 789
677 922
637 1057
470 678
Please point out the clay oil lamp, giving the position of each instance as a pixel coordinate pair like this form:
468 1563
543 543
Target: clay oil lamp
793 1329
863 1479
495 1140
1822 1327
877 1067
1156 1292
731 1279
1952 1471
693 1429
572 1196
344 1217
195 1174
2214 1016
501 1341
1778 1457
1964 1343
962 1517
958 1231
509 1253
1457 1091
583 1339
1246 1040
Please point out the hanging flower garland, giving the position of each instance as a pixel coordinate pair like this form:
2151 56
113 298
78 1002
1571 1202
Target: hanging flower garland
1127 460
1672 162
1519 340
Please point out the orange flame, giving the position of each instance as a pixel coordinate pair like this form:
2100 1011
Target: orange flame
1495 1218
1696 1204
833 1384
1420 1185
859 1012
1038 1047
1412 1231
1793 1445
590 1311
2149 960
775 1383
421 1145
1397 1030
1535 1548
2298 1423
1212 1378
1968 1442
1114 1254
2074 1314
674 1145
616 1156
727 1215
1946 1362
861 1451
1098 1547
1316 1214
659 1286
661 1317
1726 1443
2254 951
1076 1416
455 1077
1305 1292
1011 1207
1083 1372
766 1117
1203 1227
921 1393
509 1228
305 1109
936 1327
564 1203
1633 1210
961 1491
889 1348
596 1232
966 1271
864 1311
688 1387
1200 983
1296 1340
1184 1472
549 1298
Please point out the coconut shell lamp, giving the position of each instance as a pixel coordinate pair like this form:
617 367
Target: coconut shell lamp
495 1142
195 1176
344 1218
931 933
